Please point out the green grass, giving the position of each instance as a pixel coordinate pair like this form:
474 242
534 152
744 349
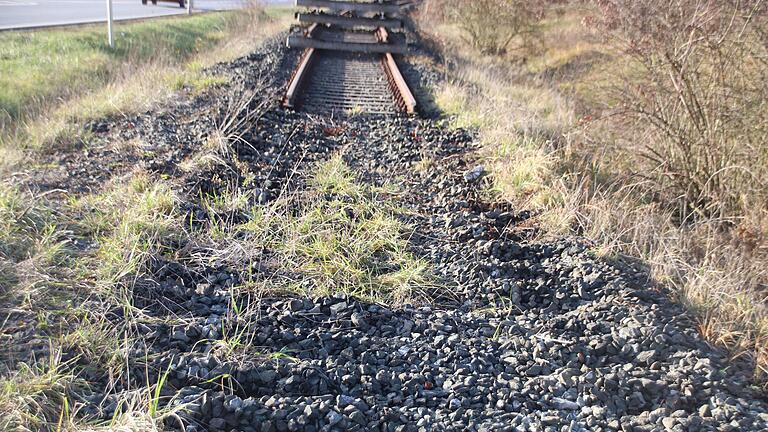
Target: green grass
33 248
196 79
21 222
34 397
345 238
39 66
53 81
97 341
349 240
131 222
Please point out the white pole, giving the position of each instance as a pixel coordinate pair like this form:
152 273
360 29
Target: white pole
189 7
109 24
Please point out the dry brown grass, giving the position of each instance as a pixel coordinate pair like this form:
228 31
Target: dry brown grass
556 146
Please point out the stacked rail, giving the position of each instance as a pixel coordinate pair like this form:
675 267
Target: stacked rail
348 63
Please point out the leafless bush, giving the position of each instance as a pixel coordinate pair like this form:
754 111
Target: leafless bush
697 89
492 26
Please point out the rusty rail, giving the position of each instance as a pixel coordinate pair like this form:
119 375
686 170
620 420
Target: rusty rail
300 73
298 78
403 94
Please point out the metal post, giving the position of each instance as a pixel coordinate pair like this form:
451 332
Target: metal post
109 24
189 7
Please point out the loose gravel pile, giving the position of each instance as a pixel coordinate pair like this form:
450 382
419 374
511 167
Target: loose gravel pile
523 335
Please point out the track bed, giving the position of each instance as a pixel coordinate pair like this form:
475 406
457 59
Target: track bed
264 312
347 83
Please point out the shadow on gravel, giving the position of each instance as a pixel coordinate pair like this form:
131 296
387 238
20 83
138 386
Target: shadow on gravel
542 336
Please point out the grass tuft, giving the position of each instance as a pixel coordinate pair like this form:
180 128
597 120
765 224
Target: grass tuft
36 396
100 343
34 252
132 221
345 238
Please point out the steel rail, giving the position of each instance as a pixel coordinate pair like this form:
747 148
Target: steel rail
300 73
400 87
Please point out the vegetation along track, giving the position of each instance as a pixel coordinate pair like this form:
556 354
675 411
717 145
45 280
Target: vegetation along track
317 273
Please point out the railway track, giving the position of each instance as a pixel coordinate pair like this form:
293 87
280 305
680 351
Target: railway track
347 65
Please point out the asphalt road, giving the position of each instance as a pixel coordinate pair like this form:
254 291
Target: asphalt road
42 13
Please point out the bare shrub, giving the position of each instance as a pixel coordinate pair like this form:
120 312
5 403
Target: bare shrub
692 103
697 90
492 26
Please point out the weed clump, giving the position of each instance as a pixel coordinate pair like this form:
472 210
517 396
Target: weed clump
342 238
131 222
33 248
33 397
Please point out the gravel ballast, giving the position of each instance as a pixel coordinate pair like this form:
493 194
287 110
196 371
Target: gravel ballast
517 335
533 336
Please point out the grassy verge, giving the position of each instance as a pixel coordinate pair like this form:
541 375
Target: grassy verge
51 81
66 265
46 65
545 119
